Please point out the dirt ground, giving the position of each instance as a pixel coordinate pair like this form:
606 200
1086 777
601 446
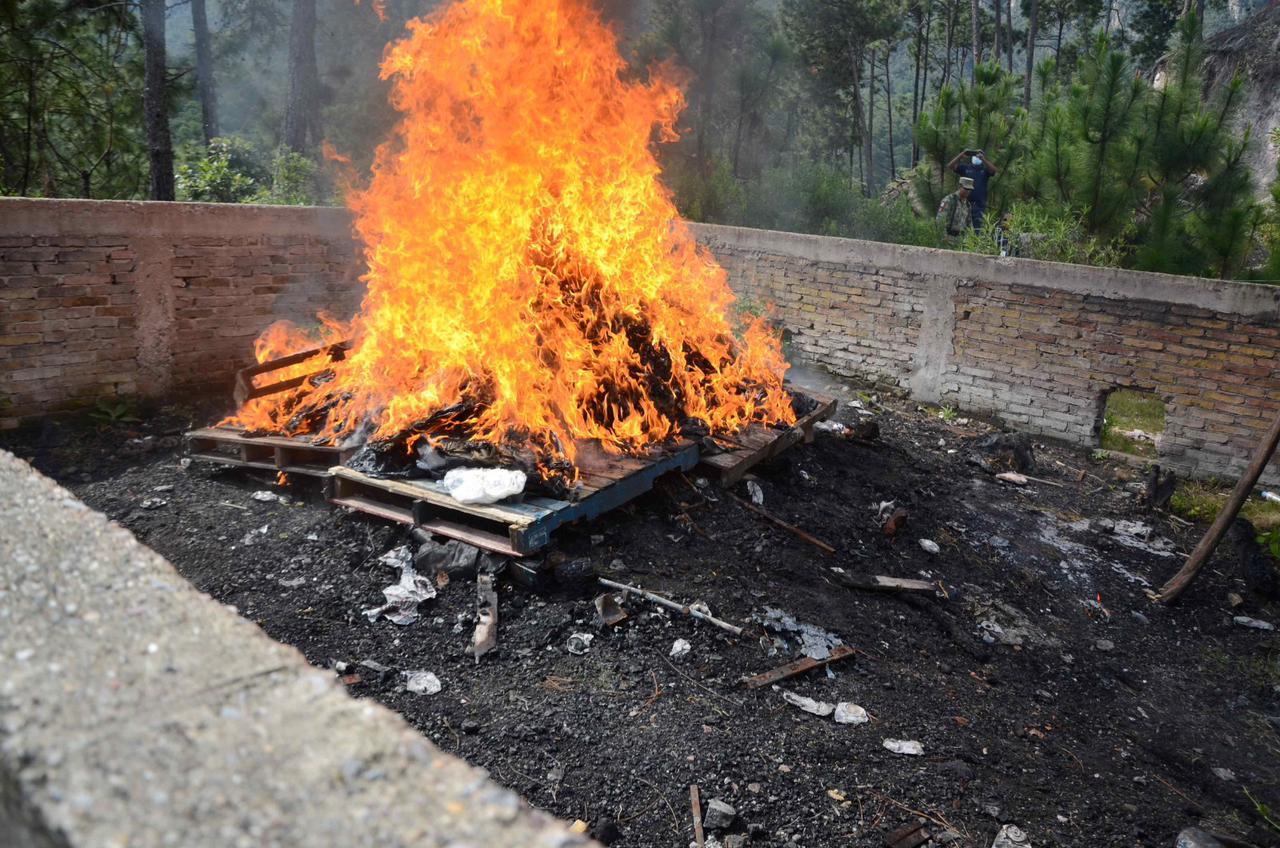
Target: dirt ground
1087 716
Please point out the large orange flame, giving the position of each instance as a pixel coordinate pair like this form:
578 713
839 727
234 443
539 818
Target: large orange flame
529 278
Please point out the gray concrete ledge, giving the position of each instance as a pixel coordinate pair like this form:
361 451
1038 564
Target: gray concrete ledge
20 216
136 711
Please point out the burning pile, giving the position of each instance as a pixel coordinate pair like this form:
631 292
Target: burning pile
531 289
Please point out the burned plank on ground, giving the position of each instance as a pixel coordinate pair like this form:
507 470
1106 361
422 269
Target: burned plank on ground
797 667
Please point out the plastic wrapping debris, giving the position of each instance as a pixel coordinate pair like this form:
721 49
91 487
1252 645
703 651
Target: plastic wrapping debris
402 597
254 536
906 747
1271 496
1194 837
153 503
815 642
1011 836
680 649
757 493
265 496
847 713
809 705
579 643
930 546
483 485
455 558
1246 621
421 682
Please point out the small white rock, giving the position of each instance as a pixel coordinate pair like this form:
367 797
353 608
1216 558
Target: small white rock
847 713
422 682
930 546
680 649
1256 624
907 747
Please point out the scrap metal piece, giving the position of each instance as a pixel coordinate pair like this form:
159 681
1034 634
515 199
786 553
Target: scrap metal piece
608 611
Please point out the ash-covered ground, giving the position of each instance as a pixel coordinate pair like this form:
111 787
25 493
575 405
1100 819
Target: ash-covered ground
1045 689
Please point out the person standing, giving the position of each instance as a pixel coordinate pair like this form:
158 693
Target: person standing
955 213
975 165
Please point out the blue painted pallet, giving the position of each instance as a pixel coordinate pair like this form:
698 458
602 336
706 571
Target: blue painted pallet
511 528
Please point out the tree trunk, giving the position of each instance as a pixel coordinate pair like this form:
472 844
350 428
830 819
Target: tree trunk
1009 37
204 72
946 58
924 85
1033 24
888 102
975 19
155 107
995 41
869 151
915 77
302 115
708 25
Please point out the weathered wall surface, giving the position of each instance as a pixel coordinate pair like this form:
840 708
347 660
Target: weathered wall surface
115 298
1038 344
101 298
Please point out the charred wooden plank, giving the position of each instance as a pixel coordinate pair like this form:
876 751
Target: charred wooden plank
796 667
758 443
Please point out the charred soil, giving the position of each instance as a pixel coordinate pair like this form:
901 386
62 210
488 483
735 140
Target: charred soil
1045 689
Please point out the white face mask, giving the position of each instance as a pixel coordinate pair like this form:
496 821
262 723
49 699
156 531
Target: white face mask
977 160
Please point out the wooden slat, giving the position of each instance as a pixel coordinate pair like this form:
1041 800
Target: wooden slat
233 437
471 535
762 443
360 503
431 492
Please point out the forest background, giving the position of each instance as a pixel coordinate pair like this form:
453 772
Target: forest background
824 116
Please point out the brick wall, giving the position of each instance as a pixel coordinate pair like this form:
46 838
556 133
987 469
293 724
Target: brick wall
101 298
1040 345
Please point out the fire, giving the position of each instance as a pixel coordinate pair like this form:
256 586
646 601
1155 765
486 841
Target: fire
529 281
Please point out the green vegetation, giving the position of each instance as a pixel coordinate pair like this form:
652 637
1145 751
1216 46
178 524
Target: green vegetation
1129 411
835 117
1110 170
1197 500
1271 820
1271 541
111 412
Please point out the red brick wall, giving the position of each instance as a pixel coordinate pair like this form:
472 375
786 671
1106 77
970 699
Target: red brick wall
111 298
101 298
1037 344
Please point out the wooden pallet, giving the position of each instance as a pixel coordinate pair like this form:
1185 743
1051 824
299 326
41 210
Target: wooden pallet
513 529
292 455
758 443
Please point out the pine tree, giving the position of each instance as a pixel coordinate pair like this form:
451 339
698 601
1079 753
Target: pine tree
986 115
1201 213
1105 101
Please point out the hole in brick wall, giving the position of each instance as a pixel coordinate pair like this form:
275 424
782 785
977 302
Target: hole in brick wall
1132 422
